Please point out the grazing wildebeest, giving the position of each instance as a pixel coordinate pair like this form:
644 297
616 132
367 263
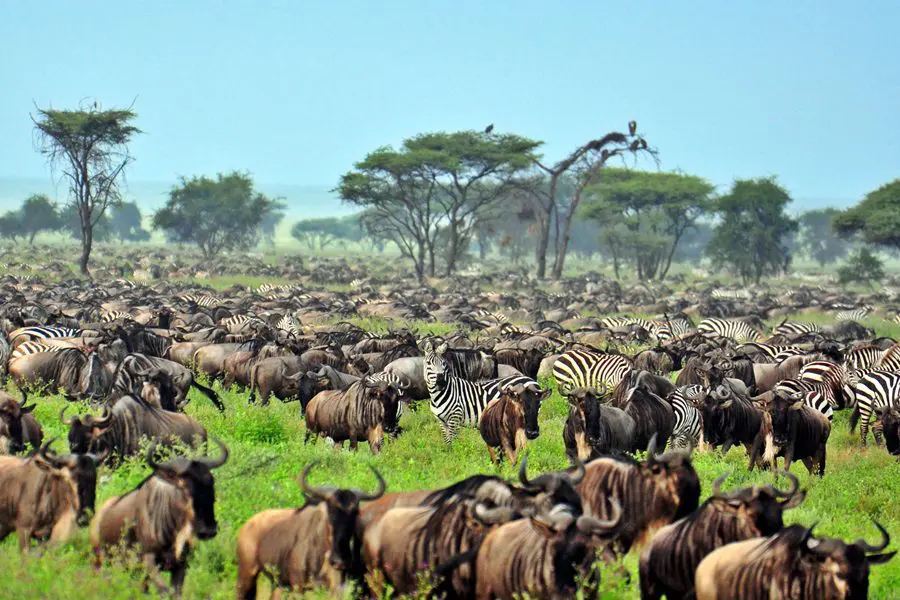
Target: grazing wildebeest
593 429
790 564
546 556
798 432
510 419
121 429
653 493
283 376
77 374
18 426
729 419
669 561
162 515
45 496
364 411
889 421
134 369
314 545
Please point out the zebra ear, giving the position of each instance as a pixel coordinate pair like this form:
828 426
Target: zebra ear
442 349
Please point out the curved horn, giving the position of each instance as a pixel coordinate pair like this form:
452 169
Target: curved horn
523 471
493 516
104 419
594 526
382 486
151 450
721 392
63 419
24 397
795 485
885 540
309 491
576 477
717 484
215 463
46 448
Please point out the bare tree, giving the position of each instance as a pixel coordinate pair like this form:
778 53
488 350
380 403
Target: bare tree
90 146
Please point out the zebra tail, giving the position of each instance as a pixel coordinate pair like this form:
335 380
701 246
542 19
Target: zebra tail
854 418
209 393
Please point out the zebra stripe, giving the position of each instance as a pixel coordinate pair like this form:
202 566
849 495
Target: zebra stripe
32 347
656 328
737 330
590 370
723 294
890 359
114 315
458 402
46 333
874 389
290 325
854 314
864 358
833 376
688 428
818 396
203 300
795 328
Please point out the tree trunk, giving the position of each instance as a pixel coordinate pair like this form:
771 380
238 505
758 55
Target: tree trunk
31 238
454 246
562 243
87 241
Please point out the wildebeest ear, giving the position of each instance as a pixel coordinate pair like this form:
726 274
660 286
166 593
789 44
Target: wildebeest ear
543 526
877 559
544 394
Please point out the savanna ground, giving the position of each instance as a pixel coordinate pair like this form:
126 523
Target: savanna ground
267 454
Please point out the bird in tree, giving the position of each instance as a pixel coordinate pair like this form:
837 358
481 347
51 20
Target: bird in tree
489 128
632 127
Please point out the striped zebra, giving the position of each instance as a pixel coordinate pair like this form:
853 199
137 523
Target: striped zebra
44 333
481 313
815 395
734 329
864 358
114 315
773 352
290 325
831 375
890 360
723 294
854 314
32 347
896 318
787 352
656 328
238 323
455 401
688 431
202 300
590 370
795 328
676 327
873 390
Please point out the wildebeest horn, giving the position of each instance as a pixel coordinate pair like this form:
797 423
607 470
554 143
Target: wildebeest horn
46 448
885 540
717 484
320 493
215 463
382 486
24 397
63 419
594 526
651 447
795 485
104 418
493 516
721 392
151 451
576 477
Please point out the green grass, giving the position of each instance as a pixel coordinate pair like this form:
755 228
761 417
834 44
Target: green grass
268 452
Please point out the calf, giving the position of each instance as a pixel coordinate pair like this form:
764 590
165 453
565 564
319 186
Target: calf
668 563
314 545
510 419
593 429
162 515
46 495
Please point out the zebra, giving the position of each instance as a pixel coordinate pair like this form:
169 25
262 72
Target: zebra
238 323
795 328
854 314
32 347
774 353
114 315
656 328
873 390
890 359
47 333
735 329
202 300
831 375
688 430
290 325
865 357
815 395
455 401
722 294
590 370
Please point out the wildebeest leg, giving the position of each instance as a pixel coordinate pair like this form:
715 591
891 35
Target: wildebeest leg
788 457
178 573
153 573
727 447
353 444
24 536
822 454
493 452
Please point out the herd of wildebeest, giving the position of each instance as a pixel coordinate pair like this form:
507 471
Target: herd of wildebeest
693 370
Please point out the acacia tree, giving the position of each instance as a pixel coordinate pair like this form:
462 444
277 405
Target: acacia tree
126 223
398 201
38 213
544 188
321 232
753 231
876 219
646 215
216 214
818 237
90 146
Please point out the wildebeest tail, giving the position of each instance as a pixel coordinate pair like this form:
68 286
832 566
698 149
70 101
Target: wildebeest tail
854 418
209 393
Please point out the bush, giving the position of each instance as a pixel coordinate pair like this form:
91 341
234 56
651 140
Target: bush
862 267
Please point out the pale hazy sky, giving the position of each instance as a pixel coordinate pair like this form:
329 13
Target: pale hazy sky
295 92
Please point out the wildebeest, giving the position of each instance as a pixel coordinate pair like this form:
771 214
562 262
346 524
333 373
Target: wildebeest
525 360
889 420
652 493
669 561
79 375
798 432
364 411
121 429
45 496
790 564
593 429
311 546
162 515
18 426
546 556
510 419
729 419
134 369
283 376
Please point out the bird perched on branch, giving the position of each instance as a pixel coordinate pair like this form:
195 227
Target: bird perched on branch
489 128
632 127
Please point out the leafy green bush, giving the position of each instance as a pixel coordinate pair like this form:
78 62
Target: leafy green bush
862 267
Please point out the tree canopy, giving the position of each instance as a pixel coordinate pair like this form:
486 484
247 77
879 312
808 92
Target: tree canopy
644 215
90 146
751 237
876 219
320 233
126 223
218 214
817 236
37 213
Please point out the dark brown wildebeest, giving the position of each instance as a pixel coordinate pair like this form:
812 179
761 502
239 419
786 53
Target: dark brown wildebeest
314 545
121 429
889 422
283 376
162 515
593 429
511 419
18 426
364 411
799 431
790 564
669 561
525 360
45 496
545 556
653 493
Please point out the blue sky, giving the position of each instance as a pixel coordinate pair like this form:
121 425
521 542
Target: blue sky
295 92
